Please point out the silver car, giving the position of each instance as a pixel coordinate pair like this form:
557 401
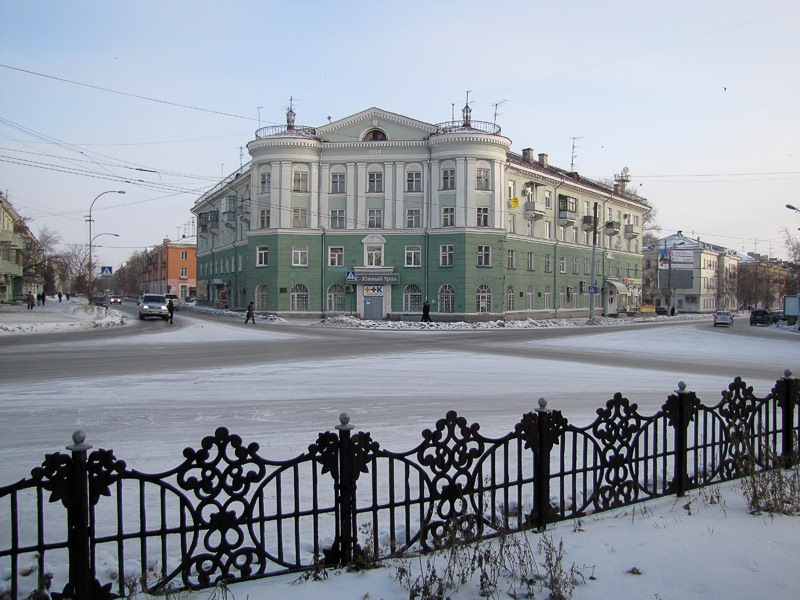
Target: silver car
153 305
723 317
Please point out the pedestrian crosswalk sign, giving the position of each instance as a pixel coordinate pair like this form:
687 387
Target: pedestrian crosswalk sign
105 271
351 277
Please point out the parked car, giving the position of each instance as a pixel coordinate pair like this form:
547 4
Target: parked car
760 317
115 300
20 298
100 301
777 316
723 317
662 310
153 305
176 302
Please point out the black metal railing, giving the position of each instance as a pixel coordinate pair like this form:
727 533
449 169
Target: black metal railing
227 513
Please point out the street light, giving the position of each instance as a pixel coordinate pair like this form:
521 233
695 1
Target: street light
790 207
91 239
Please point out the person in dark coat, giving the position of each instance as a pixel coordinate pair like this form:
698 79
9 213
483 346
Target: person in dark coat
426 312
44 297
30 300
59 296
251 313
170 309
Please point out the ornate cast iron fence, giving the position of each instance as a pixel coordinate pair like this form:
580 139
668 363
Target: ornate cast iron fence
227 513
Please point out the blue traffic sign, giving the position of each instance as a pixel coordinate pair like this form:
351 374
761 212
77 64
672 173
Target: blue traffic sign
106 271
592 289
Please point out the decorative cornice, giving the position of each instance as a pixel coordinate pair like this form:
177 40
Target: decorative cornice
470 138
375 113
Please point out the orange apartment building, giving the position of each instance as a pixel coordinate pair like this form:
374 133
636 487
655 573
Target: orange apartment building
171 268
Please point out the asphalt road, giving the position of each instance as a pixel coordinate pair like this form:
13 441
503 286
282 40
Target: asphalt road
78 354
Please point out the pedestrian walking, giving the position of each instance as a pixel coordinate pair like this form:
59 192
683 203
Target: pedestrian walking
170 309
30 300
251 314
426 312
38 298
44 297
59 296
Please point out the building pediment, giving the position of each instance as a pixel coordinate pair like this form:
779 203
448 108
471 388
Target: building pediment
396 127
374 239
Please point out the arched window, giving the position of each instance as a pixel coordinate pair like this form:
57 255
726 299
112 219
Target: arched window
510 293
547 297
262 297
412 298
447 298
336 298
530 298
483 299
299 298
375 135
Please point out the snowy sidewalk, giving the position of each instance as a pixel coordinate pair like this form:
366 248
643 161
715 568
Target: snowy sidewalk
54 315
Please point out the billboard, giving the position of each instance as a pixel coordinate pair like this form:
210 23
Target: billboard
681 259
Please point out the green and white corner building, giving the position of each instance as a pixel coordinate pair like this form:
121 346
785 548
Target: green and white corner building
376 213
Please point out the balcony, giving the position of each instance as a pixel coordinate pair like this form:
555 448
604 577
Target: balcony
587 222
244 211
631 232
566 217
611 228
534 210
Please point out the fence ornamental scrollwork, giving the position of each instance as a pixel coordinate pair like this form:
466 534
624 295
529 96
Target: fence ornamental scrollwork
228 513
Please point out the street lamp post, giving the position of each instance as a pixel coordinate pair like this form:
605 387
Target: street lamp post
91 239
91 291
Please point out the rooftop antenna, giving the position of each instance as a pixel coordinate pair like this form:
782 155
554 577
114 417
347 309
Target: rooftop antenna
623 178
496 104
574 147
453 111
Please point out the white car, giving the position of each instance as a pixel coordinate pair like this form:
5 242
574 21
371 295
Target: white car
723 317
153 305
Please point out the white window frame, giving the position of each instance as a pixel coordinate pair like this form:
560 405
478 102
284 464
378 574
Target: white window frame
413 256
299 256
335 256
266 182
548 199
338 183
300 181
562 264
481 216
446 255
373 255
299 218
448 216
263 216
484 258
447 298
448 179
375 218
337 218
482 181
184 255
548 263
413 218
414 181
512 259
531 261
375 182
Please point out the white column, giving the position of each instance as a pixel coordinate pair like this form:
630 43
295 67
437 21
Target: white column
388 196
436 208
432 216
324 186
313 196
465 201
350 217
399 194
361 201
498 195
285 195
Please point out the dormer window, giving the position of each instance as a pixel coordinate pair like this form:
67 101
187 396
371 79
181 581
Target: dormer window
375 135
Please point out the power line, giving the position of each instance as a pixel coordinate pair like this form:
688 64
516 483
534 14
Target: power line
103 89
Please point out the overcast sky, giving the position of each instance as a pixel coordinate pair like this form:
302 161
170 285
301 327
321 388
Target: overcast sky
698 99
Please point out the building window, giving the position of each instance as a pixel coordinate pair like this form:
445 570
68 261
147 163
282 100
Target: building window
263 218
575 265
446 255
448 179
414 181
337 218
531 261
299 218
262 256
447 298
184 255
336 298
512 259
185 272
548 263
562 233
548 229
510 297
587 263
299 256
530 298
548 199
335 256
562 264
412 298
375 183
548 297
530 227
375 135
299 298
266 182
413 218
337 183
512 189
484 256
373 256
562 298
482 216
574 235
483 299
482 179
449 216
512 223
413 256
375 216
300 181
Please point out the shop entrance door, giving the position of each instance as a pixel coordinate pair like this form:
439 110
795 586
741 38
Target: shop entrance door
373 308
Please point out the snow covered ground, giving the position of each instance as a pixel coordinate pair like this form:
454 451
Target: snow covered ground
713 550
